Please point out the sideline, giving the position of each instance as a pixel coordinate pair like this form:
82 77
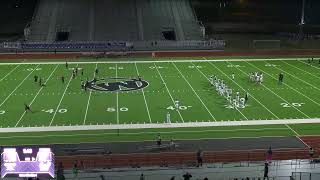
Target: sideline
159 126
158 61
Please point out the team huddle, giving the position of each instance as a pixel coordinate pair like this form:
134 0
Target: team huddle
256 77
223 90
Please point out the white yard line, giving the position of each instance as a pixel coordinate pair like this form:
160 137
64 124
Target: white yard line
298 78
249 93
37 94
276 93
297 135
19 85
117 97
89 98
302 70
286 84
144 97
160 61
295 132
65 90
194 92
308 64
209 81
162 125
9 72
165 84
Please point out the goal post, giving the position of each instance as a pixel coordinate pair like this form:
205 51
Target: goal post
267 44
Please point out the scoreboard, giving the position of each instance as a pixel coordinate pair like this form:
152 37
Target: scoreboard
27 162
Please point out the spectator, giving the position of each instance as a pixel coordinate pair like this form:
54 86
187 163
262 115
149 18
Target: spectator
205 178
269 154
172 144
172 178
81 165
158 139
311 153
60 172
199 157
75 170
142 177
266 171
187 176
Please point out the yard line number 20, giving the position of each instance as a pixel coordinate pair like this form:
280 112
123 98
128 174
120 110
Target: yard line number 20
289 105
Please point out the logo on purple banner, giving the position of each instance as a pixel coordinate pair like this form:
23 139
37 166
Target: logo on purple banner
27 162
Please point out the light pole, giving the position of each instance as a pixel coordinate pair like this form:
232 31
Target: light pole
302 22
302 12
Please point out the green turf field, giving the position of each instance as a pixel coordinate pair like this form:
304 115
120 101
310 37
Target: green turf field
66 104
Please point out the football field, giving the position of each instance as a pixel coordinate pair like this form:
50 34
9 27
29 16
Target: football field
118 106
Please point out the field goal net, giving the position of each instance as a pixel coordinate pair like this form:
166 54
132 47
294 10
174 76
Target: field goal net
267 44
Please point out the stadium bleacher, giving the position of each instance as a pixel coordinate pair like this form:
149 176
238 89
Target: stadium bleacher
114 20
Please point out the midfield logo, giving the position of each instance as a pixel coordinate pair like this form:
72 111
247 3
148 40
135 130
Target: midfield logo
117 84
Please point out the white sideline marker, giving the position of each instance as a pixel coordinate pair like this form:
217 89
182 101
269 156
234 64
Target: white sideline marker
161 125
158 61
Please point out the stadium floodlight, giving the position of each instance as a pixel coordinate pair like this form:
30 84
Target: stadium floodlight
302 21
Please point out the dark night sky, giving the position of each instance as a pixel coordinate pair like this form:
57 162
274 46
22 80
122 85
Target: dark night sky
279 11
